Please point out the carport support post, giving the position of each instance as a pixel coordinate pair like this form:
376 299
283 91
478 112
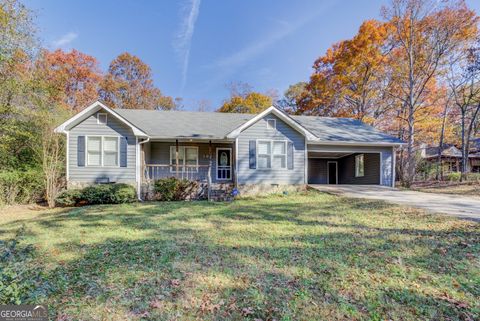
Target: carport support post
176 158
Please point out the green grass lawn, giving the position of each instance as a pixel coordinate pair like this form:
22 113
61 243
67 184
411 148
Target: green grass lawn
307 256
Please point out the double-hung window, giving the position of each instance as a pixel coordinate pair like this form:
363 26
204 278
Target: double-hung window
272 154
359 165
102 151
187 158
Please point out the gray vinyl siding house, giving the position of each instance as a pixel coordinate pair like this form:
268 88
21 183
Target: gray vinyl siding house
271 150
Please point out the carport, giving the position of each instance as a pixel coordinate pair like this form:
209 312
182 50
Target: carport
352 165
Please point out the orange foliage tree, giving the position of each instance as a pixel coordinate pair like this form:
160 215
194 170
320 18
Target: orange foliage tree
129 84
72 77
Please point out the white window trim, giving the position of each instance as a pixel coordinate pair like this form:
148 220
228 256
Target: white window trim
102 138
216 164
356 162
271 154
98 118
274 124
180 167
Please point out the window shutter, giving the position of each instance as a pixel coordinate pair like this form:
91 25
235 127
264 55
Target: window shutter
81 151
123 151
290 155
253 154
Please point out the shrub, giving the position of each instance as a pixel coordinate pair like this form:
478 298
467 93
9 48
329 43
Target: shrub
69 197
21 186
174 189
454 176
98 194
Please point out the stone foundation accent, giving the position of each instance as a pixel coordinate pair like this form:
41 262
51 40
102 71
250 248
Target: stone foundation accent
80 185
266 189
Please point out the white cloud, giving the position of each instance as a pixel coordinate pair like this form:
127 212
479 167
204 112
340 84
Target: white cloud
184 38
64 40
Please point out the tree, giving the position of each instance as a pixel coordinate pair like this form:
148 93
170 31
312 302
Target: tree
73 78
129 84
348 80
424 32
291 97
251 103
464 82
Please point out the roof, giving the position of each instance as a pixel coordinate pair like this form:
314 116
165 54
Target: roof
449 150
214 125
333 129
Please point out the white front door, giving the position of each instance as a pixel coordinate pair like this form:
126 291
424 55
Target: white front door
224 164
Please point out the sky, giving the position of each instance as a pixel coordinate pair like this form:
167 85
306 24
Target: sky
197 47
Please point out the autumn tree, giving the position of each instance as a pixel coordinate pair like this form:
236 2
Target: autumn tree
348 80
424 32
244 100
291 97
464 85
73 77
129 84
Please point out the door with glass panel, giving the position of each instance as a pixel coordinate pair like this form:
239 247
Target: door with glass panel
224 164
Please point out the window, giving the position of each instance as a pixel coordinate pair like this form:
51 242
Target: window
110 151
102 151
264 154
187 158
94 151
359 166
272 154
271 123
102 118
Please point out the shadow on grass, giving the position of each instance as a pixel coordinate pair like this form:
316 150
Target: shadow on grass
284 258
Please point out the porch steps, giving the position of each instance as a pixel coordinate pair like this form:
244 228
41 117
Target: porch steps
220 195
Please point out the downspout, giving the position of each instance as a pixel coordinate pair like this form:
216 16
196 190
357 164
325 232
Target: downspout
139 181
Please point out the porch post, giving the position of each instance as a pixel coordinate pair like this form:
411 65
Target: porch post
176 158
233 163
209 188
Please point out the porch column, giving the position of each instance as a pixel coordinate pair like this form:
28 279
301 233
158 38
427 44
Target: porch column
176 158
234 163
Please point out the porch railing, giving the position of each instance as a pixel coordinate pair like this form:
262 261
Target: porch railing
200 173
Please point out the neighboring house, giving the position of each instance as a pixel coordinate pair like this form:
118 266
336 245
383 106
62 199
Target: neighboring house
270 150
451 157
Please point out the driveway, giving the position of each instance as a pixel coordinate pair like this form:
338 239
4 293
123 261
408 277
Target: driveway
460 206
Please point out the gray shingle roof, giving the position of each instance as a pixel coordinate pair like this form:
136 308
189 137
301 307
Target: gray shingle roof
187 124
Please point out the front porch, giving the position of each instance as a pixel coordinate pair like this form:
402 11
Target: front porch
209 163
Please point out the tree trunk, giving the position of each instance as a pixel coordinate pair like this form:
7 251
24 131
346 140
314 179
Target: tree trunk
439 175
463 144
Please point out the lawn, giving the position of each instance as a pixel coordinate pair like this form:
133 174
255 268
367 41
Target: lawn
305 256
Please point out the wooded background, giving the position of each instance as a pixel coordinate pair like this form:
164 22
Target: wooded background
414 74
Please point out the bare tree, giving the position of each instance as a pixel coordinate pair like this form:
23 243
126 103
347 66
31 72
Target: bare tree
425 31
464 83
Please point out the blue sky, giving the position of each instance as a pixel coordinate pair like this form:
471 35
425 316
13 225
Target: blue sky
196 47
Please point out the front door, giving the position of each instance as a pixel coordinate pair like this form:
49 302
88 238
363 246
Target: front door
332 172
224 164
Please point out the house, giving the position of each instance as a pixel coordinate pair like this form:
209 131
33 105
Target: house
270 150
451 157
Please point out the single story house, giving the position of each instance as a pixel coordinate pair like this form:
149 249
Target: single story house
451 157
253 153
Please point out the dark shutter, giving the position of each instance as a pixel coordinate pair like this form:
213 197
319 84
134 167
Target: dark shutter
290 155
123 151
81 151
253 154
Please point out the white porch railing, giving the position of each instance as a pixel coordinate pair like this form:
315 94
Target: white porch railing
153 172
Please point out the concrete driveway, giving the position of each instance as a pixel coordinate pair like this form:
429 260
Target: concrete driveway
460 206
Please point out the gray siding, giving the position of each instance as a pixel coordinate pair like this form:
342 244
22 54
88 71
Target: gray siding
346 170
386 158
159 153
271 176
90 174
